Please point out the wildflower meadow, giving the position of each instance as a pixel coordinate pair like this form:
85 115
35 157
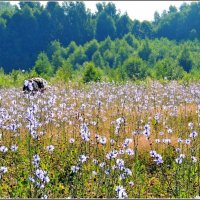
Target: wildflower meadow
101 140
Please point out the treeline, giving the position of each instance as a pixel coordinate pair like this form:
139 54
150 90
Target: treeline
29 28
116 60
67 42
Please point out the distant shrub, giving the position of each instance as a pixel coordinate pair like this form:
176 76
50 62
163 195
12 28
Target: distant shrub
91 73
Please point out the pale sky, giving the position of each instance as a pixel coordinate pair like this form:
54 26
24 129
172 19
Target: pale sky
141 10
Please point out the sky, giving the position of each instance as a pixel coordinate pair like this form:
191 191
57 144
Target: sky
141 10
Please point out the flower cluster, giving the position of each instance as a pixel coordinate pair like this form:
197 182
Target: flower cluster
84 130
3 170
50 148
119 122
146 131
75 169
41 177
127 142
179 160
121 192
82 158
157 157
3 149
112 154
101 139
32 121
193 134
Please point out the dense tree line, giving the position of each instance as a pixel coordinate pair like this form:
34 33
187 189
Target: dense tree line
117 60
69 38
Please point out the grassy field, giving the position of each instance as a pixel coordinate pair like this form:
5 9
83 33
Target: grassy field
101 140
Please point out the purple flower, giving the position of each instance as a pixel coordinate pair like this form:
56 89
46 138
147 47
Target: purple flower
193 134
3 149
50 148
14 148
85 134
75 169
71 140
82 158
3 170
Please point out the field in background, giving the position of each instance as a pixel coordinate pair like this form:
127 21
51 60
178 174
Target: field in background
101 140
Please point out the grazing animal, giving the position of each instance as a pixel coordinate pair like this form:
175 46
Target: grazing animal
34 85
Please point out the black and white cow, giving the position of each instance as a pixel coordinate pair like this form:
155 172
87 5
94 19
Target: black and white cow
34 85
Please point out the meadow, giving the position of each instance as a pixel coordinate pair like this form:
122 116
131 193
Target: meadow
101 140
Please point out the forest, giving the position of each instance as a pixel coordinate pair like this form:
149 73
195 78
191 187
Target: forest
69 42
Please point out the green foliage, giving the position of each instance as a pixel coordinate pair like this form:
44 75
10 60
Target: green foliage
5 80
64 73
135 68
131 40
43 66
168 69
97 59
145 52
179 25
121 74
71 48
57 60
77 23
91 73
194 75
15 78
109 58
185 60
105 27
105 45
53 47
123 25
146 29
69 33
77 58
119 60
90 48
